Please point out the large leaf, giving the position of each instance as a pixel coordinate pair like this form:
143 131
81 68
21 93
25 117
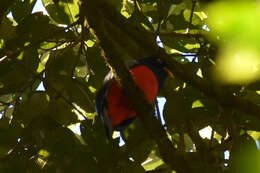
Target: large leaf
176 110
97 64
180 43
138 18
175 22
137 141
244 155
7 30
141 151
164 7
9 136
61 111
33 107
59 71
20 9
95 137
60 142
18 72
62 12
60 79
35 29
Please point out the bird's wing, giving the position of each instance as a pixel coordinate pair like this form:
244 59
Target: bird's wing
101 105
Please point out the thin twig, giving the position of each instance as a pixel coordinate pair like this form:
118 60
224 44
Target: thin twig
15 53
182 142
56 46
176 34
157 33
137 6
39 77
4 103
191 15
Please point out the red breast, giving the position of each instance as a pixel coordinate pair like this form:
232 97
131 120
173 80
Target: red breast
119 108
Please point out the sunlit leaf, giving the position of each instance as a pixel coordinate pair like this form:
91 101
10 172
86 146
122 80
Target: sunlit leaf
236 21
238 64
62 12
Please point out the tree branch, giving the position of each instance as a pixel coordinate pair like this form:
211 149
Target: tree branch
175 34
191 15
223 97
105 27
144 110
6 54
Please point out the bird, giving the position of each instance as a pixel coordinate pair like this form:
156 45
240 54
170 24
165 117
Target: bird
113 106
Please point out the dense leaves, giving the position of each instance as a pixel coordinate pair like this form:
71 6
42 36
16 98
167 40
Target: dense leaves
53 62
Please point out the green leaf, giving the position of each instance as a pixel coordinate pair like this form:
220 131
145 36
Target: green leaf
235 22
176 110
253 96
95 137
247 121
154 163
29 109
7 30
61 111
117 5
37 27
97 64
62 12
182 44
5 8
93 133
134 134
202 117
60 79
43 60
4 123
61 142
254 85
244 155
175 22
165 6
196 20
133 167
137 141
5 99
150 5
138 18
9 137
59 71
14 164
20 9
127 8
18 72
189 144
141 151
62 62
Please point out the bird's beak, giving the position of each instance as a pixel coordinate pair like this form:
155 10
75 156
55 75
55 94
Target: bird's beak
170 74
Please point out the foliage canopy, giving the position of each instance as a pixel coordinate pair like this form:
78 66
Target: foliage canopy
211 48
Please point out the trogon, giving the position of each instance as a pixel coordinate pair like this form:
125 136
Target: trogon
112 104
